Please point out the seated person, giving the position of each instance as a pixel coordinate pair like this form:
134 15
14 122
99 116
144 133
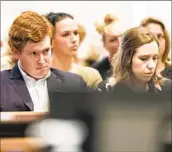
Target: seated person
26 87
111 32
134 66
8 60
157 27
65 45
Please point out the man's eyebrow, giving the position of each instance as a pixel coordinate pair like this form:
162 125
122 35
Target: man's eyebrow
47 48
144 55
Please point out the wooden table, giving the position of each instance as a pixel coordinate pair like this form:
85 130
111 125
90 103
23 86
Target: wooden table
21 117
19 145
14 142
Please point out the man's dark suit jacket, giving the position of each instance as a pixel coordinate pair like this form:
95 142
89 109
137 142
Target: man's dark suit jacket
15 95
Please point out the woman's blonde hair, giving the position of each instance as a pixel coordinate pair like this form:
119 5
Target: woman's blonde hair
109 20
81 32
149 20
7 59
122 61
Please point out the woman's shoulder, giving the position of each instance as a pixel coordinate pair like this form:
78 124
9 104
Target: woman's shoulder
167 72
90 75
165 91
167 84
86 69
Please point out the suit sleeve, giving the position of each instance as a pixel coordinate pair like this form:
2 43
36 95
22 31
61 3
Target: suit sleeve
84 87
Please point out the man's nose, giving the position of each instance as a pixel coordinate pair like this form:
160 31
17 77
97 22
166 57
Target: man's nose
41 59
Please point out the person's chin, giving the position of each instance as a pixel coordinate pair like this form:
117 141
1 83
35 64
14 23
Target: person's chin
40 77
146 79
42 74
73 51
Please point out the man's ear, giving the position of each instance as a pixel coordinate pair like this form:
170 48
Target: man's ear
16 53
52 43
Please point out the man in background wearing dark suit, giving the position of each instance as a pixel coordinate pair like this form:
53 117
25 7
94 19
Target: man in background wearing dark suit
28 85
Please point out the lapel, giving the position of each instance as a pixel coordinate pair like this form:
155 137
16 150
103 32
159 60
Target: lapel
54 83
18 83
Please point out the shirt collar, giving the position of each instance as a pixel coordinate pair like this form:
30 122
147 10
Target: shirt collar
27 77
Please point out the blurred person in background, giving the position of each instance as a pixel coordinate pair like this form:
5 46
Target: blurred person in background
135 64
7 59
111 32
157 27
66 41
27 86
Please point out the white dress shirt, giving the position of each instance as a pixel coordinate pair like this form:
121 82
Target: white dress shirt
37 90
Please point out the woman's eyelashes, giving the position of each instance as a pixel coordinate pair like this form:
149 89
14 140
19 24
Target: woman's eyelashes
69 33
144 58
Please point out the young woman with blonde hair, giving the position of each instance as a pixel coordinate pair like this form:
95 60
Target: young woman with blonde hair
111 31
157 27
135 64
